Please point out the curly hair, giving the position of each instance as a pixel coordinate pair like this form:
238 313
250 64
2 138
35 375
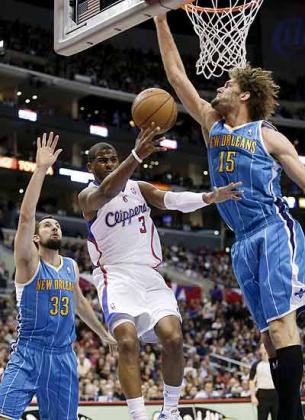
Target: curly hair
264 91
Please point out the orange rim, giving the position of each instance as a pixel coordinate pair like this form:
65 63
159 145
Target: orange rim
189 6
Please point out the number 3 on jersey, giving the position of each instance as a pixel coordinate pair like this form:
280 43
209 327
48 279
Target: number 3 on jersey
143 226
226 161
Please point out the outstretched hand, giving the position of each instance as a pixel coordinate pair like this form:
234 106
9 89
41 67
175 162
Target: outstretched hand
46 154
229 192
146 143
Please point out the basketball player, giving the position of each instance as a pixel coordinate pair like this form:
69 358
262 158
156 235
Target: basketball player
42 361
269 252
125 247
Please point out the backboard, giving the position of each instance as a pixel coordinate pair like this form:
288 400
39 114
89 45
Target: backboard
80 24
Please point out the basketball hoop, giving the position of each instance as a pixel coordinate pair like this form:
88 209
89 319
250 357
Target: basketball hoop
222 32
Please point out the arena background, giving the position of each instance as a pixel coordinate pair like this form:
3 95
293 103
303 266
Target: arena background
86 98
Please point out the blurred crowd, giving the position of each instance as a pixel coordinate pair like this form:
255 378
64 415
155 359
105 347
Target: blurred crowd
134 69
213 332
220 339
221 329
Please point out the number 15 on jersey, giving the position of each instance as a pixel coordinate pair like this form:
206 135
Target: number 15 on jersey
227 161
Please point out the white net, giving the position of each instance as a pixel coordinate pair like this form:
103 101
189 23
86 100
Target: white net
222 32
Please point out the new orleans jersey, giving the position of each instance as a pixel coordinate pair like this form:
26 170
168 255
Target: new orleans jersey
268 255
239 154
46 309
123 232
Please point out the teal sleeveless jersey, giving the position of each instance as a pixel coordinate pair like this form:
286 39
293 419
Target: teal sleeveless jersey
239 154
46 308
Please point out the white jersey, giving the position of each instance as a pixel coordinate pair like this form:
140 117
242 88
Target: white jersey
123 231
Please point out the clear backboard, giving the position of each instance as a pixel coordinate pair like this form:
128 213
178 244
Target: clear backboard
80 24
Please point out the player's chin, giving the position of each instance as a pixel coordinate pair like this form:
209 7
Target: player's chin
215 103
54 244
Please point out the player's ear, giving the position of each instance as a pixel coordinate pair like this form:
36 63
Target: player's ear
244 96
36 239
89 166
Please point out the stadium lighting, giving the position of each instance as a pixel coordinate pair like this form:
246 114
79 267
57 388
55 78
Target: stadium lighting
27 114
19 93
169 144
205 173
292 202
1 43
76 176
27 101
34 97
216 232
99 130
302 202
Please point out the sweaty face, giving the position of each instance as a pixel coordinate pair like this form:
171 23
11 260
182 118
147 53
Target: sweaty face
106 161
49 234
227 97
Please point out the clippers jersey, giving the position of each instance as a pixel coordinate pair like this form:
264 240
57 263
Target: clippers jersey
123 232
239 154
46 309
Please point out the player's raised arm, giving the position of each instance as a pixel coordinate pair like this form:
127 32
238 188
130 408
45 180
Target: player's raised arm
92 199
198 108
187 201
26 255
280 147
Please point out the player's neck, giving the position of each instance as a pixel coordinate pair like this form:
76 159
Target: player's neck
238 117
51 256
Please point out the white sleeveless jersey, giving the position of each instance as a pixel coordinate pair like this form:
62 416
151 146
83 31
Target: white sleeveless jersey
123 231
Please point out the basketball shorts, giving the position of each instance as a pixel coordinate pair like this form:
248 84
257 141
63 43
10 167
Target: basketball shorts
270 269
137 294
50 374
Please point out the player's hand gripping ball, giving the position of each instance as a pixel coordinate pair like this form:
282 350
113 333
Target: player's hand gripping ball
154 105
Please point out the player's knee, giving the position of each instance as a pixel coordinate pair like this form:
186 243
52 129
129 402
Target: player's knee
128 346
284 332
173 343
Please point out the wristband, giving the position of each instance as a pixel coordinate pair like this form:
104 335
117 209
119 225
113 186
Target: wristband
137 158
185 202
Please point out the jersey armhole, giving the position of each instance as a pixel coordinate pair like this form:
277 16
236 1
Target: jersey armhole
75 268
213 126
31 279
263 141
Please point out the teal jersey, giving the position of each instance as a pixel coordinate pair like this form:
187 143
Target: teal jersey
46 307
239 154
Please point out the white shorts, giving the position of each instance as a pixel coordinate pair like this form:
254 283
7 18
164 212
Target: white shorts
137 294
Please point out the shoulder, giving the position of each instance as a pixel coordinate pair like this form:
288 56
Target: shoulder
274 140
209 115
87 190
71 262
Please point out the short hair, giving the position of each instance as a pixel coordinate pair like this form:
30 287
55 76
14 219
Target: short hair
264 91
96 148
37 223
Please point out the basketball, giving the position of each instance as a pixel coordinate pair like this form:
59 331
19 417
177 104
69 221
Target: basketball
154 105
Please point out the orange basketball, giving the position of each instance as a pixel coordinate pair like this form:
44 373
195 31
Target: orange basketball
154 105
